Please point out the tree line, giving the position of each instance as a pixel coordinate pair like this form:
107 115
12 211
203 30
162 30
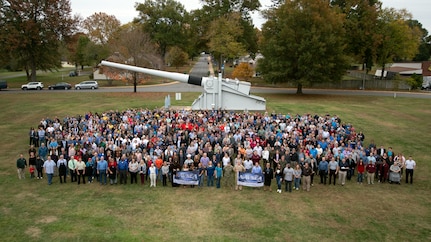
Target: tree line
302 41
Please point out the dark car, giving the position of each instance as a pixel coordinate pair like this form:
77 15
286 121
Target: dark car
61 86
3 84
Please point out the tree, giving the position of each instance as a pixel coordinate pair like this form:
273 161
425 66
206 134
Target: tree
424 50
243 71
100 27
224 37
163 20
32 31
134 47
216 9
77 50
177 57
303 43
396 39
360 24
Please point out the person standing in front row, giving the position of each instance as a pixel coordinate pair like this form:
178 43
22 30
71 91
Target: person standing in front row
218 174
343 170
228 176
80 170
62 168
361 169
278 176
323 170
288 177
237 169
333 170
39 167
410 167
371 170
152 171
165 173
102 167
297 172
21 164
49 166
306 172
72 169
268 175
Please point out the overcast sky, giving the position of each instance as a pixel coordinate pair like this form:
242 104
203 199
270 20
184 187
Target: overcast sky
124 10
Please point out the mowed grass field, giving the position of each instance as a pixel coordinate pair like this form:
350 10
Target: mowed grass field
33 211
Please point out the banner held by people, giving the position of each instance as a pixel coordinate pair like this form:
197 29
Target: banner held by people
250 179
186 178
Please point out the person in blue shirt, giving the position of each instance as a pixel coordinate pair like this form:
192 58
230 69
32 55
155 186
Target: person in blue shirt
102 167
210 174
123 166
256 168
218 174
323 170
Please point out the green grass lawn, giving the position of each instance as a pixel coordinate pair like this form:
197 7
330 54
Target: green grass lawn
33 211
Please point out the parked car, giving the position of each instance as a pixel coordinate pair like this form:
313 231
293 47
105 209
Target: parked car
61 86
73 73
32 85
87 85
3 84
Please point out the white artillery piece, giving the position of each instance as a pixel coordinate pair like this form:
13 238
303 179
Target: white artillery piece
218 93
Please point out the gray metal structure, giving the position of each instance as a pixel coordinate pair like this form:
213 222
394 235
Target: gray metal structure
218 93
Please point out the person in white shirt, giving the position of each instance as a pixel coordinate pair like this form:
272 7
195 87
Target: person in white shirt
265 154
49 166
410 166
225 159
153 174
248 165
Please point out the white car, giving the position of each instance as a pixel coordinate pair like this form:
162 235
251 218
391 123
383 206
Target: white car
32 85
87 85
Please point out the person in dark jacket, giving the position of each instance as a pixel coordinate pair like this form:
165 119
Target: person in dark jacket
39 167
268 175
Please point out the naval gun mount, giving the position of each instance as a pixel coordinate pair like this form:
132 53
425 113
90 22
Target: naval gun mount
218 93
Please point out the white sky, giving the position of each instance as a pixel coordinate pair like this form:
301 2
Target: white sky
124 10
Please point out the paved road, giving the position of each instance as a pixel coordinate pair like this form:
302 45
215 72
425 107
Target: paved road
201 69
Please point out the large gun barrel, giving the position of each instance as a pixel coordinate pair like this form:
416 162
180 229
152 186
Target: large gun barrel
194 80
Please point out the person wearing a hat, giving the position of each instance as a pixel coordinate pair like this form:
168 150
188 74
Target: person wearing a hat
189 160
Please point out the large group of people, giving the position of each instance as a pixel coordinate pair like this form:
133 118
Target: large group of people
118 147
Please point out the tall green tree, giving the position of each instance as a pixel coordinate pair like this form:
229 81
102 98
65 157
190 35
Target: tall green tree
361 28
164 21
303 43
224 37
32 30
215 9
424 50
396 39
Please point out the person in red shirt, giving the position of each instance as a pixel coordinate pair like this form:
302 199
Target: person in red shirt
371 170
112 171
159 163
361 170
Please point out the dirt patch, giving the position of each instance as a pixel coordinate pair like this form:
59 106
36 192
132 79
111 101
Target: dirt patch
47 219
33 232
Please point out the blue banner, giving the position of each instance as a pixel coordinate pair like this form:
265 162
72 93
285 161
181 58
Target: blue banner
250 179
186 178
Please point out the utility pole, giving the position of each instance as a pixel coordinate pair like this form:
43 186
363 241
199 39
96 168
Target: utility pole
365 74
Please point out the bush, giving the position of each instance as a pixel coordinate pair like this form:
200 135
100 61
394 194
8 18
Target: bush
414 81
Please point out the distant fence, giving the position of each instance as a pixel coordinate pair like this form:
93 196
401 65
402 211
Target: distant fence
370 83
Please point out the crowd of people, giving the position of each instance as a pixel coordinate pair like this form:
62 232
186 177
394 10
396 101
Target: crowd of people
153 145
